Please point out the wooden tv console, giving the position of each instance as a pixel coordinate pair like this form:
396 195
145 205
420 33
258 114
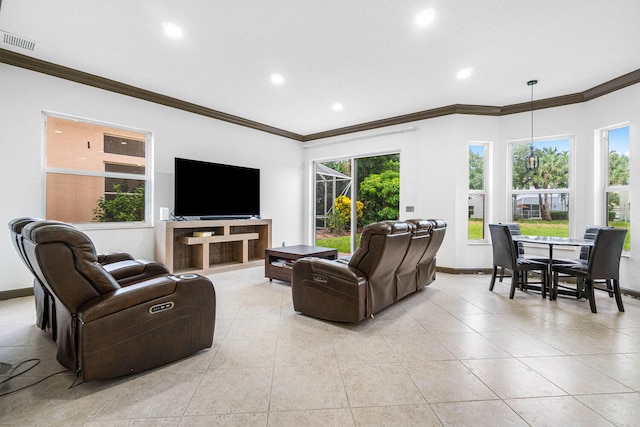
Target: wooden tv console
233 244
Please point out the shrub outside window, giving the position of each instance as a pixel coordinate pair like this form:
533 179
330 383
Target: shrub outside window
95 172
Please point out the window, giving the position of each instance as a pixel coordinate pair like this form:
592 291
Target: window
95 172
126 146
617 190
477 195
352 193
540 199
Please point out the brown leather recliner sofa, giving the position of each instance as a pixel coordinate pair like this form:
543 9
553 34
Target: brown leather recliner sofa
105 329
394 259
121 265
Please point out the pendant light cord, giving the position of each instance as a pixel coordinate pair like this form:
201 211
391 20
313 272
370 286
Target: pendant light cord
531 83
532 115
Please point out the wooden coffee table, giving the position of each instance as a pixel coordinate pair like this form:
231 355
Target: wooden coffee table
278 262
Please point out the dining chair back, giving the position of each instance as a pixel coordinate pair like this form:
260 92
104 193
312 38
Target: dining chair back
504 249
590 233
604 260
505 255
514 230
603 264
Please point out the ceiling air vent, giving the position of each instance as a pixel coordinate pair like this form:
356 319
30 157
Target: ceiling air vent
11 40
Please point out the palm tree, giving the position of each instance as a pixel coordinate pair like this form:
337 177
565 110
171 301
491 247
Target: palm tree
552 173
521 177
618 168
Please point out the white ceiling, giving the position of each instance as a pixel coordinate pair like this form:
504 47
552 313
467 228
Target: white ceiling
367 54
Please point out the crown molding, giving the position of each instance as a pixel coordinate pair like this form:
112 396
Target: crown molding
51 69
485 110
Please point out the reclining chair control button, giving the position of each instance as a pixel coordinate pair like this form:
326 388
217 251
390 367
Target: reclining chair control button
161 307
321 279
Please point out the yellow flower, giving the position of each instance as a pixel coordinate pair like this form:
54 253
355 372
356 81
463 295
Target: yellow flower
342 205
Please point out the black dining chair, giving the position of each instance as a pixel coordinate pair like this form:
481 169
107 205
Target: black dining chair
590 233
505 255
603 264
514 230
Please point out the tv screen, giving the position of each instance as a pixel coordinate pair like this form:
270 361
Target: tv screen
213 190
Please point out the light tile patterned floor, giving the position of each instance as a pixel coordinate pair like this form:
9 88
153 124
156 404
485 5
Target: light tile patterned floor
453 354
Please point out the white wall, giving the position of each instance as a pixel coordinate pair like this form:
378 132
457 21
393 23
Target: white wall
25 94
434 171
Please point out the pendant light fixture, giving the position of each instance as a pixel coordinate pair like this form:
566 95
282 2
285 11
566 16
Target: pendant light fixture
532 159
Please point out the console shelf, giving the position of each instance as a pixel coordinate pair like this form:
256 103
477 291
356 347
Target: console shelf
234 244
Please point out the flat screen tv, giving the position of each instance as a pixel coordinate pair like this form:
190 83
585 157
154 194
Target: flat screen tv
212 190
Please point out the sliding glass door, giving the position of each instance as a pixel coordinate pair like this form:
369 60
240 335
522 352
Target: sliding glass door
351 193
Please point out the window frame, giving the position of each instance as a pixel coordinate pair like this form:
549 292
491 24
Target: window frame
486 189
353 190
604 164
147 177
570 191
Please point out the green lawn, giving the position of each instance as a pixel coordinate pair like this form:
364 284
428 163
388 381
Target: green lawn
342 243
558 228
475 229
536 227
623 224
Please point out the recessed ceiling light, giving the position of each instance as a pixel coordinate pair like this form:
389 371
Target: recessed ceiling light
172 30
277 78
337 106
465 73
425 17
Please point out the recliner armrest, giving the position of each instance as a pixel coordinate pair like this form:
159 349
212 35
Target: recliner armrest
123 298
329 269
140 293
133 271
111 257
329 290
145 325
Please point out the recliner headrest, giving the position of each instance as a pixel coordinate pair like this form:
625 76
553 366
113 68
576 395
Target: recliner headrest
59 232
16 225
84 252
438 223
422 226
386 227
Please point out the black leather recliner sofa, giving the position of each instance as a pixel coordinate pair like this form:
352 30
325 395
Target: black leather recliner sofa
394 259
